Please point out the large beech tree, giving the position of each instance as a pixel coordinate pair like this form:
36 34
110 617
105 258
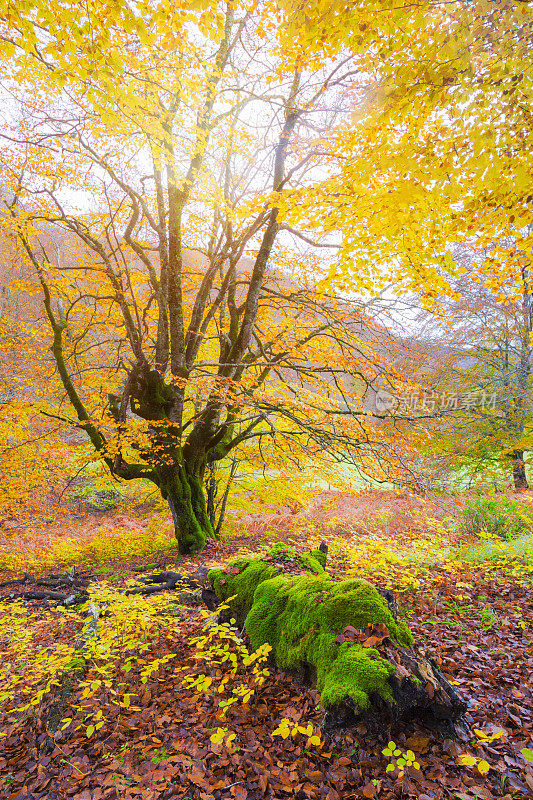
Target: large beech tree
150 157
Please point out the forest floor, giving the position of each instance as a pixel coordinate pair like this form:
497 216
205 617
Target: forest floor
138 720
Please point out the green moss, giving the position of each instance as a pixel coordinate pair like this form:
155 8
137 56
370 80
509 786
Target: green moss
320 556
357 672
282 551
415 680
404 635
240 578
300 618
308 560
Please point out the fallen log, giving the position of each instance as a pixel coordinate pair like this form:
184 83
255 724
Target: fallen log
340 636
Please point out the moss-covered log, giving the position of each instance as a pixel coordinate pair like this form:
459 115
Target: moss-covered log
341 636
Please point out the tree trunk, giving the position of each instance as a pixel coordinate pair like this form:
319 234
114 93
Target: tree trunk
519 470
217 510
184 493
341 636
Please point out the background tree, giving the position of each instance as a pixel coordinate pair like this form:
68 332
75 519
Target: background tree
474 358
436 157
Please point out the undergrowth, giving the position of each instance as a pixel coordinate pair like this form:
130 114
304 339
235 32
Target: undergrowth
36 655
135 645
153 646
106 546
491 516
494 550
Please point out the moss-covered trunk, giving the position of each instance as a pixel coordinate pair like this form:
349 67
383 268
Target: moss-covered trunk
342 636
183 490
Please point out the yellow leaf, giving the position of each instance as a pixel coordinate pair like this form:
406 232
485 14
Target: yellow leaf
218 737
467 761
283 729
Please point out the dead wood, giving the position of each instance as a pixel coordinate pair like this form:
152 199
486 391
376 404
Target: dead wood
48 589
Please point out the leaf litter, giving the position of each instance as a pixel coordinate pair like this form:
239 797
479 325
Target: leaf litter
178 740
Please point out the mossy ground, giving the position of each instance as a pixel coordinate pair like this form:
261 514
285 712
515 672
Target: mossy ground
300 616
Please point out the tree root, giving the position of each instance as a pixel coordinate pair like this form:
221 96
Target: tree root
169 581
75 583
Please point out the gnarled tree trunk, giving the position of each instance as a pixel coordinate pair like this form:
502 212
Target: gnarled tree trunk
183 490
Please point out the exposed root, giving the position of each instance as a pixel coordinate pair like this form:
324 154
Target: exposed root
169 581
75 584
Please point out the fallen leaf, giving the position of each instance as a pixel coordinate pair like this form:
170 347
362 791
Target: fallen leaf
419 744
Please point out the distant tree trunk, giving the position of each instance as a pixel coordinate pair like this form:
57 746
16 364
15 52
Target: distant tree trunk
519 470
211 486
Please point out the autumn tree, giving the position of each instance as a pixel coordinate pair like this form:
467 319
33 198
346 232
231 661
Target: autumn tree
436 157
151 158
477 362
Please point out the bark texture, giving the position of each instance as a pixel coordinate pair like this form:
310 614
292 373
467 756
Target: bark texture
184 493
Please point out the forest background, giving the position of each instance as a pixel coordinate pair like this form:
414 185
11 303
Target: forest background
266 275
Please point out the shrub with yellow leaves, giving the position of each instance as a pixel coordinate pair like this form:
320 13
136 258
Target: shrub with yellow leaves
222 736
225 655
399 760
288 728
109 668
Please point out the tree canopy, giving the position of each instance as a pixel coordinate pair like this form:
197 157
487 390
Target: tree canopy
438 149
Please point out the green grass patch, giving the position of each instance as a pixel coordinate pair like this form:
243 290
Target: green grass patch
491 516
498 551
